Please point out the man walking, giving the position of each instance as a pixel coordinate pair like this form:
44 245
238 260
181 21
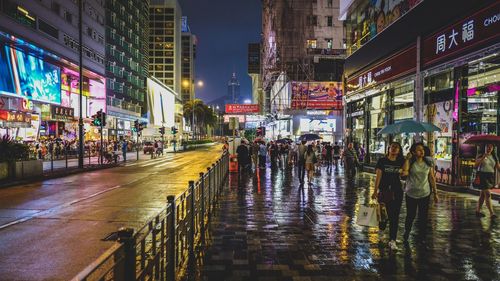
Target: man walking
242 155
301 163
351 160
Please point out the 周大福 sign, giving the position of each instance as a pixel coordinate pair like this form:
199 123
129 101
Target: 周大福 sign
471 31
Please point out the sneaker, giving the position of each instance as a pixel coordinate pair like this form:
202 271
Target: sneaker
479 214
392 245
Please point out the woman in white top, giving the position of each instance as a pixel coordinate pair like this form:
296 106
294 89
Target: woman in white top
419 169
486 166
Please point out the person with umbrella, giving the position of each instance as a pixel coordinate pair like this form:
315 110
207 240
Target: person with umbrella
486 166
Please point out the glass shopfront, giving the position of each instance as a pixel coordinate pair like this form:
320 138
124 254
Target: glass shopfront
378 120
439 108
356 111
403 110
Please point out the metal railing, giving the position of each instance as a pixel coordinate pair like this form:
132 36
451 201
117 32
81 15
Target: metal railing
164 247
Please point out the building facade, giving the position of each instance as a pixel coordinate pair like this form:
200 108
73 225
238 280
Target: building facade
443 71
301 67
188 55
39 91
126 64
165 42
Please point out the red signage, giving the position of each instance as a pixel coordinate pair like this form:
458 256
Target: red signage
11 116
396 66
476 29
242 108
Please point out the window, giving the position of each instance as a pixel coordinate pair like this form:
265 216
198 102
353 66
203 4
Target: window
48 29
329 21
312 43
313 20
68 17
329 3
329 43
56 7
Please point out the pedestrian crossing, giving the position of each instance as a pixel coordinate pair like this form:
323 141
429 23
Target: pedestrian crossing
157 162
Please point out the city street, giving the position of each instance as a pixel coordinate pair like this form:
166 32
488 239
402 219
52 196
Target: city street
52 230
270 228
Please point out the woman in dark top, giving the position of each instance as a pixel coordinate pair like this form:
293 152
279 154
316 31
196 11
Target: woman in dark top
388 188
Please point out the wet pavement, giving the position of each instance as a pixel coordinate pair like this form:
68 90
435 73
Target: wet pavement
51 230
268 227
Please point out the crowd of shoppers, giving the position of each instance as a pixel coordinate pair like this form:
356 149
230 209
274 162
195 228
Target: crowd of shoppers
398 177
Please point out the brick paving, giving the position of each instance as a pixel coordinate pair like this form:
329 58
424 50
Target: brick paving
268 227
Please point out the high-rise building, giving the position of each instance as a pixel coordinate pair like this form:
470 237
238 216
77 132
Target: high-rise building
39 45
188 56
165 42
303 39
233 90
126 63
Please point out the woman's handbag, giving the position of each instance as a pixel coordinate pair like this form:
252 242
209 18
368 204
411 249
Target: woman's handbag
477 180
368 215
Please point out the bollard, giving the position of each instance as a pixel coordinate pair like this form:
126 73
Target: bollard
202 210
191 260
171 239
66 155
126 237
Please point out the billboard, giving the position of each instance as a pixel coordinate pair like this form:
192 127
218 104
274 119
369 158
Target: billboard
316 95
30 77
315 125
242 108
161 104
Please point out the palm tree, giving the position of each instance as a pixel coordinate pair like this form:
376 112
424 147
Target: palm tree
194 109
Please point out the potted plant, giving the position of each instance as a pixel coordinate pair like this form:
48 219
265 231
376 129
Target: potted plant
15 162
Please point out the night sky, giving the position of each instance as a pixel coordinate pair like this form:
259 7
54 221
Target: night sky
224 28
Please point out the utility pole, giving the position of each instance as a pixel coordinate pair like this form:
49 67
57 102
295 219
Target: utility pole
80 84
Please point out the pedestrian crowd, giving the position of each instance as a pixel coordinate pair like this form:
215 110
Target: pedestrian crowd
410 178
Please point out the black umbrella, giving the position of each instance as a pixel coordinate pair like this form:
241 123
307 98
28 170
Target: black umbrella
284 140
309 137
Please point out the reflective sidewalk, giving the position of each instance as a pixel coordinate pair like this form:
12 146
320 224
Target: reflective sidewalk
269 228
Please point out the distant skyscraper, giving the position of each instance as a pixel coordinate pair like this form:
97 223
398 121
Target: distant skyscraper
233 89
165 42
188 57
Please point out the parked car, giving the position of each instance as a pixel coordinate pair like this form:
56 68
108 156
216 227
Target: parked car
148 147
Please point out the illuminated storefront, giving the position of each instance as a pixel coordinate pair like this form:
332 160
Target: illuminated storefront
455 86
45 87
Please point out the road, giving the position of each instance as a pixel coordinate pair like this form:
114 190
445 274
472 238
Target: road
51 230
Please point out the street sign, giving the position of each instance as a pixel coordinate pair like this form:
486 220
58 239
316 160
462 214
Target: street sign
233 123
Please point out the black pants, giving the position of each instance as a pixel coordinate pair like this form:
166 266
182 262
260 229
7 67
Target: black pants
262 161
412 204
393 210
302 169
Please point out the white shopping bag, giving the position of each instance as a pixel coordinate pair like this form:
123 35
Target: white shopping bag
368 215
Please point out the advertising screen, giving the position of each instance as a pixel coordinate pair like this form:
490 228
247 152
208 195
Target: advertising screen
316 95
6 75
311 125
25 75
161 104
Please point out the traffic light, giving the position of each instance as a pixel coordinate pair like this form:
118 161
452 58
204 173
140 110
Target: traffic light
162 130
174 130
99 119
261 131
